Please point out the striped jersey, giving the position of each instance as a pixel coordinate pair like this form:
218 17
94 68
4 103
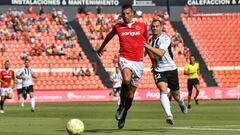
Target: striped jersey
166 62
26 72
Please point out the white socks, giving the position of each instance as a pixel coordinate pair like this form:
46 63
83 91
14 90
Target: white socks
164 100
33 102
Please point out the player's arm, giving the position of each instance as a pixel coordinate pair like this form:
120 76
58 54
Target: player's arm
109 36
33 76
198 71
186 70
151 56
162 47
2 80
155 51
19 75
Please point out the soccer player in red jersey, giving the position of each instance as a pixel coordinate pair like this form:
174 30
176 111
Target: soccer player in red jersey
132 35
6 91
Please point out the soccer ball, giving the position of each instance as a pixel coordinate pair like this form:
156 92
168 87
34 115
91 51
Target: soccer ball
75 127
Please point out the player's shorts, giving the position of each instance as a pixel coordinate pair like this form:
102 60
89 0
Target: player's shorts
28 89
5 91
191 83
170 77
135 66
19 90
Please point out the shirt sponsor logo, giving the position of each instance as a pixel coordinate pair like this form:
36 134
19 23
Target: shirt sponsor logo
137 33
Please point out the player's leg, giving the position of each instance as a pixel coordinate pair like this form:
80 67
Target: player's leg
20 97
197 87
173 84
2 96
32 99
190 87
126 74
128 103
161 83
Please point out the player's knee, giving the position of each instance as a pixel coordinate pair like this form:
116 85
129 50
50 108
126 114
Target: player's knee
127 81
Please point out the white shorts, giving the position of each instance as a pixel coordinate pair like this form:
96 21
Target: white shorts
4 91
135 66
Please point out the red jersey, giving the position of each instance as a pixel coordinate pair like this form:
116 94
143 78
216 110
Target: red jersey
6 76
131 38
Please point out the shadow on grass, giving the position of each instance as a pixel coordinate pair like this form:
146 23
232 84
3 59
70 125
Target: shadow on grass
123 130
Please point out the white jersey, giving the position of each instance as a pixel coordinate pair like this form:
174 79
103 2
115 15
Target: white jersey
19 84
164 63
26 72
116 80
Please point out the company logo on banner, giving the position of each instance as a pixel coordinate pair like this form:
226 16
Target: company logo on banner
66 2
212 2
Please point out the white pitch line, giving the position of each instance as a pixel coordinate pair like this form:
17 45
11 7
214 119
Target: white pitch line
202 129
220 126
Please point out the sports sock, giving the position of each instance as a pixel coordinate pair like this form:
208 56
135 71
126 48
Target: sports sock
33 103
181 101
189 100
164 100
128 103
124 88
2 103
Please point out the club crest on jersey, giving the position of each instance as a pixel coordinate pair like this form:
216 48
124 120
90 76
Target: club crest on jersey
138 27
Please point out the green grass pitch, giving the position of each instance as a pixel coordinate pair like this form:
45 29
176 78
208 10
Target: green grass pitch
144 118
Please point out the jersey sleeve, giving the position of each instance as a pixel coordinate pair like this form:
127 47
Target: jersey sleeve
114 30
165 43
145 34
186 67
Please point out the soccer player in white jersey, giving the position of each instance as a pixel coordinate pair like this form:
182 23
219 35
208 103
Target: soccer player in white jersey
164 69
116 79
27 76
132 35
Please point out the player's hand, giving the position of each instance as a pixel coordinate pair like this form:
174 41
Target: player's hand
100 51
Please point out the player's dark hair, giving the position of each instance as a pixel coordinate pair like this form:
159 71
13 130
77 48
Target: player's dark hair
156 20
6 61
191 56
126 6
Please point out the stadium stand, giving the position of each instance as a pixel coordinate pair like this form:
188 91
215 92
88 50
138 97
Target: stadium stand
210 33
53 54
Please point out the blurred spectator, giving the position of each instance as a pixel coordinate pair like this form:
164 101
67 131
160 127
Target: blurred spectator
24 55
99 9
1 17
75 72
35 52
185 9
59 35
139 13
41 10
49 51
3 48
54 13
87 72
176 38
166 16
81 71
68 43
30 9
194 10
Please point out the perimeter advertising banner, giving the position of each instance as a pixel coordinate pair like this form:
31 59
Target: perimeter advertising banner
121 2
140 95
83 2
